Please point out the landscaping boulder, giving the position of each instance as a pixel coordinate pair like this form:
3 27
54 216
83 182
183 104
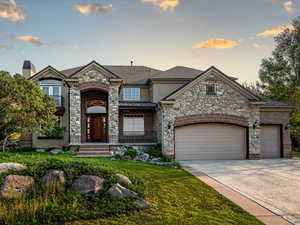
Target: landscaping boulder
14 186
40 150
4 167
87 184
143 156
142 204
123 179
121 192
54 178
55 151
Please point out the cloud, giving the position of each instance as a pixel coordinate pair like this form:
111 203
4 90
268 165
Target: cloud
276 31
288 6
11 11
164 4
3 48
92 8
29 39
260 46
218 43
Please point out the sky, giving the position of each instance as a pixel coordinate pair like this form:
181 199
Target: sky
233 35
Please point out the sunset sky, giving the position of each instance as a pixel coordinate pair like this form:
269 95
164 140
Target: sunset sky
233 35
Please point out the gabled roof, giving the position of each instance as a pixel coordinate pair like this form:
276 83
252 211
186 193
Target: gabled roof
129 74
178 72
228 79
97 65
49 68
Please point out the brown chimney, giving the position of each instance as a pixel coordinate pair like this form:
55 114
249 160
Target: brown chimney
28 69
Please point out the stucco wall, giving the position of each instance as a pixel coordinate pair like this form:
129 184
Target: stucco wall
159 90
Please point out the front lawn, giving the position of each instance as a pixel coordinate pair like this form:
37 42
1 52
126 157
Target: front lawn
295 154
177 198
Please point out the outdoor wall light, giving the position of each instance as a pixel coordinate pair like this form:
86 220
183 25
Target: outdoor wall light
255 125
169 125
287 126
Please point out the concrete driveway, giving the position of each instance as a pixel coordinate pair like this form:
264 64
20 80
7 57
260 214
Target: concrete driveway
275 183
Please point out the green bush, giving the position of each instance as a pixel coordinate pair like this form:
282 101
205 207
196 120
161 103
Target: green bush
131 152
154 151
47 207
166 158
27 149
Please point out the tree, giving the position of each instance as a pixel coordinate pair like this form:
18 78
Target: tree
24 107
280 74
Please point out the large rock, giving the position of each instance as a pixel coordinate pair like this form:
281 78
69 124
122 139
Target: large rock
143 156
123 179
54 178
55 152
121 192
4 167
87 184
142 204
14 186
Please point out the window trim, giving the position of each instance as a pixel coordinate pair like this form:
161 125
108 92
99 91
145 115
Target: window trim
138 132
130 95
214 89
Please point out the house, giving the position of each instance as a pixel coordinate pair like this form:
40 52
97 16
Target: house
193 114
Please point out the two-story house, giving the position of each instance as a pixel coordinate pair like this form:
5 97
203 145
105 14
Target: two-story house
193 114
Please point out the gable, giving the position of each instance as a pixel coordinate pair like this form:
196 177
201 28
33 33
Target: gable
48 73
214 75
94 72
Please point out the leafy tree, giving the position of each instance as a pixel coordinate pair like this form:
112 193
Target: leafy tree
24 107
280 74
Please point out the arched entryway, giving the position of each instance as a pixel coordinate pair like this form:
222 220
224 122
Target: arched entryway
94 116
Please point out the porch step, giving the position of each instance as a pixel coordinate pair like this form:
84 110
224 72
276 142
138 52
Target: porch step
90 151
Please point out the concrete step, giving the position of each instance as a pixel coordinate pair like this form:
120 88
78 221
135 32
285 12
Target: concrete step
93 153
95 149
91 156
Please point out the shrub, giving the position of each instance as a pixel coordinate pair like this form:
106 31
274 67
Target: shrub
131 152
154 151
46 207
166 158
27 149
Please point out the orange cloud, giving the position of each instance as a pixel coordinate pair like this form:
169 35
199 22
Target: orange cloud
164 4
218 43
288 6
276 31
92 8
28 39
11 11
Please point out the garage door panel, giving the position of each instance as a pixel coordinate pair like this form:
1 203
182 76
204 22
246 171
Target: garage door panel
210 141
270 141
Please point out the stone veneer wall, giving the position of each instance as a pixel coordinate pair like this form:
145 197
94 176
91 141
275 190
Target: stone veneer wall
113 113
88 80
75 115
195 101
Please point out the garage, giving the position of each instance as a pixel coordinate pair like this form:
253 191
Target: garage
270 141
212 141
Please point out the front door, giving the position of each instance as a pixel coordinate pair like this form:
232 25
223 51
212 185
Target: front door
96 128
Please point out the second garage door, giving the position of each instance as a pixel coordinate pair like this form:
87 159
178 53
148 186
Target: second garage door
210 142
270 142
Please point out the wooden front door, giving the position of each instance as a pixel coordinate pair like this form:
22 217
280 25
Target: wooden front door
96 128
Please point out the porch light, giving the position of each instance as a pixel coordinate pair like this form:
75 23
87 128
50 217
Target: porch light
255 124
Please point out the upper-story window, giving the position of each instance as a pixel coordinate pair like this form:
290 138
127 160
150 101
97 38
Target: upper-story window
132 94
211 89
53 88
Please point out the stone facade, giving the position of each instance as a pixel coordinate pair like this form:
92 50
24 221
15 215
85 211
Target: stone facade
113 112
92 79
195 101
75 115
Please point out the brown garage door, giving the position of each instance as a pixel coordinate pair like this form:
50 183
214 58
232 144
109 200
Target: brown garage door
270 142
210 142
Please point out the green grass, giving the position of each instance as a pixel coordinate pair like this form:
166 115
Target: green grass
177 198
295 154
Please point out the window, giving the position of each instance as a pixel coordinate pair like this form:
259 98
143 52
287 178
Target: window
131 94
96 107
133 125
51 87
211 89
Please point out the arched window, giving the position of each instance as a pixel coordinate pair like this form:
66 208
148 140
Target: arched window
96 107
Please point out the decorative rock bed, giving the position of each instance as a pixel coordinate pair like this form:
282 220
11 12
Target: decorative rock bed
97 186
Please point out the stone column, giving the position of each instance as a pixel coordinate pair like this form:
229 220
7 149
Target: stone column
167 128
75 115
254 134
113 110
